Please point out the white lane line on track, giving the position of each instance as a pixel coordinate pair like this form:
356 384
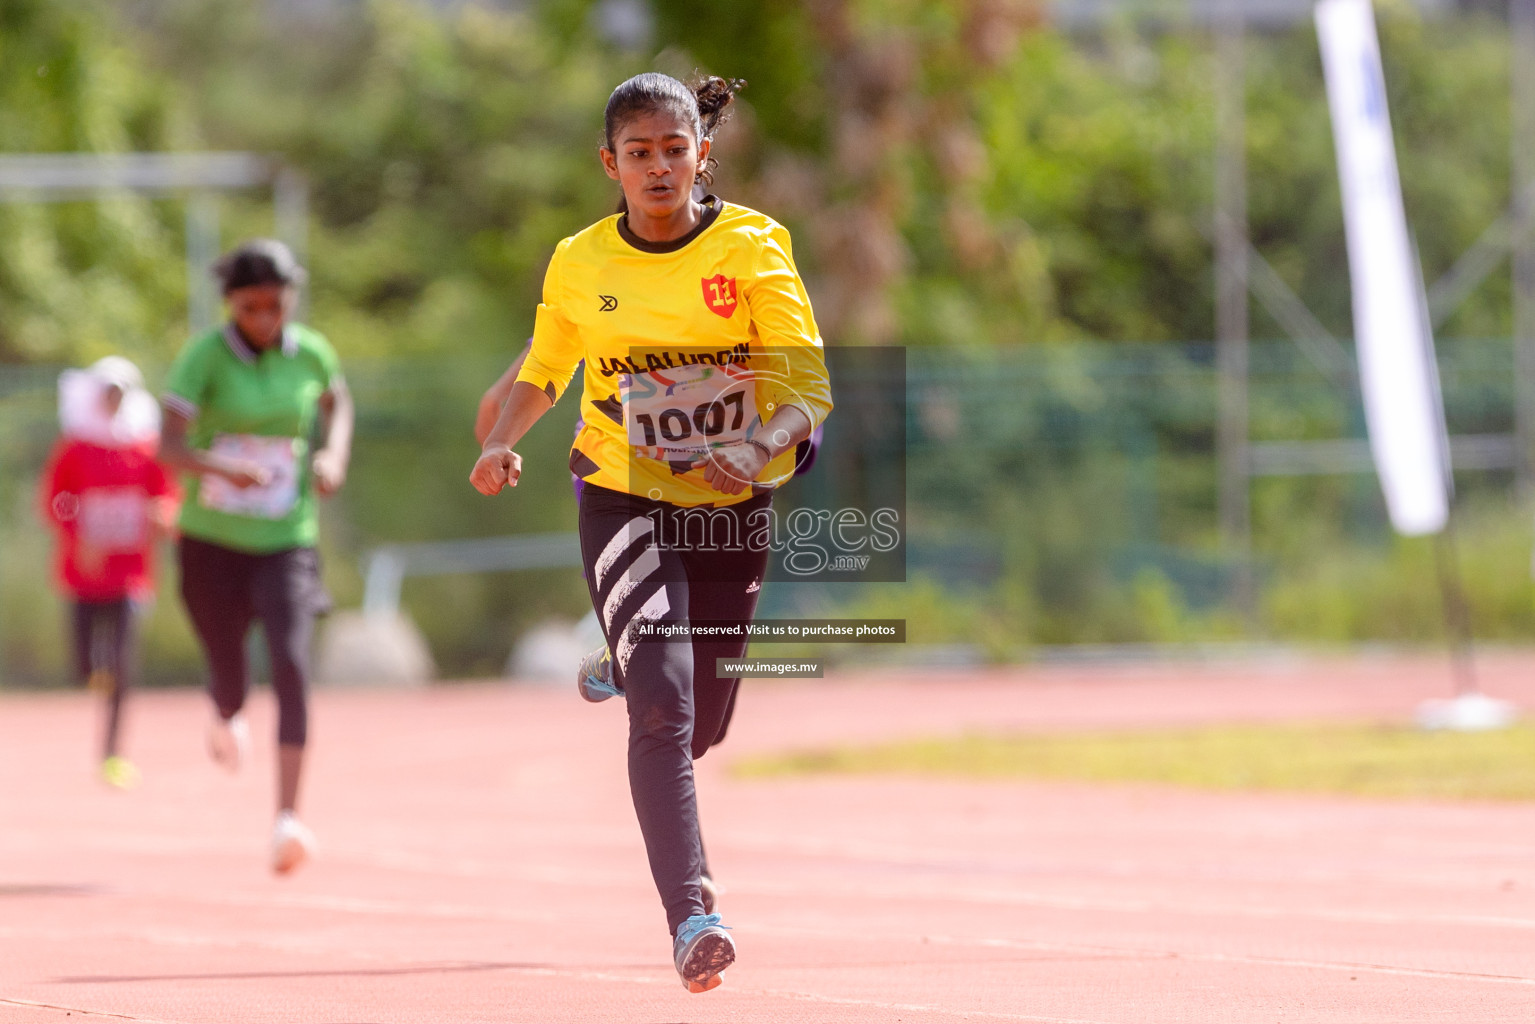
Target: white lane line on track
1024 898
460 911
94 1013
634 979
807 997
1329 965
179 939
357 905
438 909
992 896
886 854
927 893
161 937
456 911
1233 958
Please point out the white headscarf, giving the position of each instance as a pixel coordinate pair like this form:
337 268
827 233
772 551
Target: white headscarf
82 406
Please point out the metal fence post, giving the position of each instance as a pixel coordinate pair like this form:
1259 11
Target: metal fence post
202 242
1231 297
1521 16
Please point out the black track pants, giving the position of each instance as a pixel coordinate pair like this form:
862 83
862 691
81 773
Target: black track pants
225 592
106 641
650 563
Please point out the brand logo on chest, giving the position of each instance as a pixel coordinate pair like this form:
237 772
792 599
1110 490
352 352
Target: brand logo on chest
720 295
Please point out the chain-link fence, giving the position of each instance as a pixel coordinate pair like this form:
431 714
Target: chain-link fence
1055 494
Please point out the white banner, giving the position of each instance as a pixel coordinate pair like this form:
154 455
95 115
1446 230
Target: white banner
1398 376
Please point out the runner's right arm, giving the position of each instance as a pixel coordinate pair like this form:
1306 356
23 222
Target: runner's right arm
498 466
496 395
546 370
177 454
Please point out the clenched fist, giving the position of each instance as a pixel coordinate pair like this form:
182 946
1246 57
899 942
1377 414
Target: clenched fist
496 468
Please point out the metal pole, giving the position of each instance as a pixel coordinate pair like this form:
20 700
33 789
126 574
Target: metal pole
290 202
385 575
1231 297
202 227
1457 613
1521 17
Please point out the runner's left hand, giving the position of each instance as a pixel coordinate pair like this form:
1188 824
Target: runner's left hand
732 469
329 470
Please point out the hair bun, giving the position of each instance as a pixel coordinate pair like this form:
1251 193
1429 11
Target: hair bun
714 95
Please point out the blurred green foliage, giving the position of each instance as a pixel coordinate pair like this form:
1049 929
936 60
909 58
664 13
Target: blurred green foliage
1056 188
84 279
1040 191
1065 495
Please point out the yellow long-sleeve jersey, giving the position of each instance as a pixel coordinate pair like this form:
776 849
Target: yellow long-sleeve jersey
689 345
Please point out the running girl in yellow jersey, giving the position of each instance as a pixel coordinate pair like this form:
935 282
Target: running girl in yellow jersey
704 371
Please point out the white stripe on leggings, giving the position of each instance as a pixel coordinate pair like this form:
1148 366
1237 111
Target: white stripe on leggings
651 611
639 570
621 541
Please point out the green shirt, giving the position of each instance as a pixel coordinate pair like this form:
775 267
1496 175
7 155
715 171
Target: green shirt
258 406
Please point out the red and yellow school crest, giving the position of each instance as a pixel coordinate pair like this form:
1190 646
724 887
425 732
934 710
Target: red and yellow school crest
720 295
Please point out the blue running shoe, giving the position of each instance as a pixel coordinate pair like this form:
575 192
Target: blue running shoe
703 948
594 679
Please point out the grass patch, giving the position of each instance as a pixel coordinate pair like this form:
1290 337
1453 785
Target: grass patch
1392 761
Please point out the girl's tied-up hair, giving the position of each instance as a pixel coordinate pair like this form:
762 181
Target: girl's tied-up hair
259 261
705 105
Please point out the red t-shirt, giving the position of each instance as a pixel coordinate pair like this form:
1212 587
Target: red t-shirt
98 500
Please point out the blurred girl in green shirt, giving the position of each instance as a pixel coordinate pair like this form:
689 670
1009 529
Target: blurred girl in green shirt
242 404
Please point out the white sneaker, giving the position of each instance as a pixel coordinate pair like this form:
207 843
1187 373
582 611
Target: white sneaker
229 740
292 843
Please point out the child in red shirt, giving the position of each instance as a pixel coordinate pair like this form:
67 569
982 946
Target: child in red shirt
108 500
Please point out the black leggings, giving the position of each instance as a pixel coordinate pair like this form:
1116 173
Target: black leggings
648 562
225 591
106 637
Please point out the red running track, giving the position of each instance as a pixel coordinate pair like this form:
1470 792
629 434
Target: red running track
481 863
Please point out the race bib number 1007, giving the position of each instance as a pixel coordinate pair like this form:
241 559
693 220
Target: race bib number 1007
678 415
